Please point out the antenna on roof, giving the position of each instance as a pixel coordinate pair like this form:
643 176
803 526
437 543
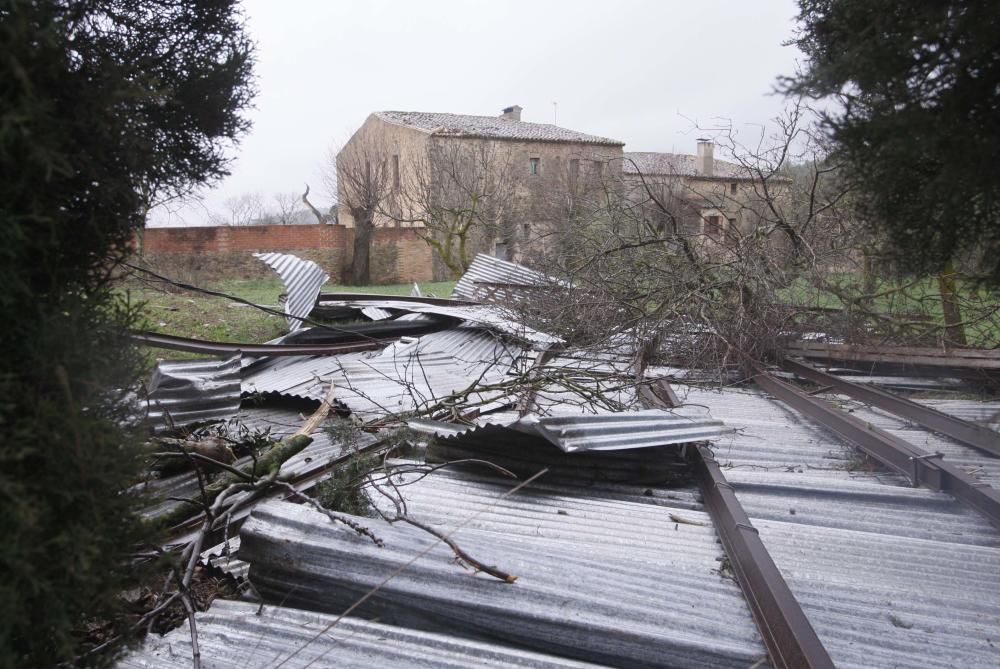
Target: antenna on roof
555 113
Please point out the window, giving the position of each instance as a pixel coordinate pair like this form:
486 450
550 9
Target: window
526 230
713 227
395 173
598 168
533 165
574 170
732 188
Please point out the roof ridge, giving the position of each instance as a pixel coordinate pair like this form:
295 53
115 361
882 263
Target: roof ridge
490 127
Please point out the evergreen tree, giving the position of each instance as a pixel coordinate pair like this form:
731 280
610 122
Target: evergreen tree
104 106
918 119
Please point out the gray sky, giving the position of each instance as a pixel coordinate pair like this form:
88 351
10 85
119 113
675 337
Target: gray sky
642 71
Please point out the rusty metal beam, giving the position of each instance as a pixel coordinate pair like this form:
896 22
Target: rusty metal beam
977 436
224 348
919 466
788 635
376 297
977 359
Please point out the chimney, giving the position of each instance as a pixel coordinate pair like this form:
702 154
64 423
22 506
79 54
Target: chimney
704 165
512 113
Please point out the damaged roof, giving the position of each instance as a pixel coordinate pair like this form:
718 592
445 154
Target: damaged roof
490 127
621 553
652 163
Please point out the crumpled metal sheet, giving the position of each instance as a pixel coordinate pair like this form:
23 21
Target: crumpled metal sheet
489 316
490 279
409 375
303 280
595 432
242 635
376 314
184 392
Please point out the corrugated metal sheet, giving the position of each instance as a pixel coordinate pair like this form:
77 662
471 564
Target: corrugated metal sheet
595 432
376 314
601 580
905 382
225 558
983 413
303 280
185 392
889 576
409 375
239 635
980 465
488 316
490 279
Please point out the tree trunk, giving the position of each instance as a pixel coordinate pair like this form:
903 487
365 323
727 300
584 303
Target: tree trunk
954 331
868 285
364 229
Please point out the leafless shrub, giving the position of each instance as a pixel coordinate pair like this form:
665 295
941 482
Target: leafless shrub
724 272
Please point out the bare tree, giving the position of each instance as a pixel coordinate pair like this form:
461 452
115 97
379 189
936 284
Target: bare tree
462 194
321 218
246 209
647 264
365 186
791 257
286 209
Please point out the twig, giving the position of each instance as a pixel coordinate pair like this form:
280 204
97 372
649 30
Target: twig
459 553
399 570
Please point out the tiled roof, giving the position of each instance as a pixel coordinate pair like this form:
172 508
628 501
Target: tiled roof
491 127
677 164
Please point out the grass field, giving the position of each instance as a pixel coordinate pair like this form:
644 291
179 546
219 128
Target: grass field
190 314
914 299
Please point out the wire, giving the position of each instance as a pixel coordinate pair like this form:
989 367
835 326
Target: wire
234 298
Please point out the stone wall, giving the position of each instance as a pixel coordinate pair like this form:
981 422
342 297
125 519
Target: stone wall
213 253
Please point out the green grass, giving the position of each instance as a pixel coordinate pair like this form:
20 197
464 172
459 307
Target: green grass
908 300
190 314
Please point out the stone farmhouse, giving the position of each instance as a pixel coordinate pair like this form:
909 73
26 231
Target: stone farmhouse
714 198
537 159
539 167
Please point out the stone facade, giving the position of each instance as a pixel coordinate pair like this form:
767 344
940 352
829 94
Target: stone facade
712 198
543 161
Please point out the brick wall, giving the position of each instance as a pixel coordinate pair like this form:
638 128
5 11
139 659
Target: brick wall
398 255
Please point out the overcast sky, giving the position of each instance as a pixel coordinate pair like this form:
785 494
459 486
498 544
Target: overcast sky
642 71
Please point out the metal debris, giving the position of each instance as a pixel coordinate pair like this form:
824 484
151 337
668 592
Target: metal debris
240 635
490 279
974 435
584 594
614 566
186 392
600 432
303 280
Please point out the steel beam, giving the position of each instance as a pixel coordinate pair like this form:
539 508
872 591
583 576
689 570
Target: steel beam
788 635
919 466
977 436
969 359
376 297
224 348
